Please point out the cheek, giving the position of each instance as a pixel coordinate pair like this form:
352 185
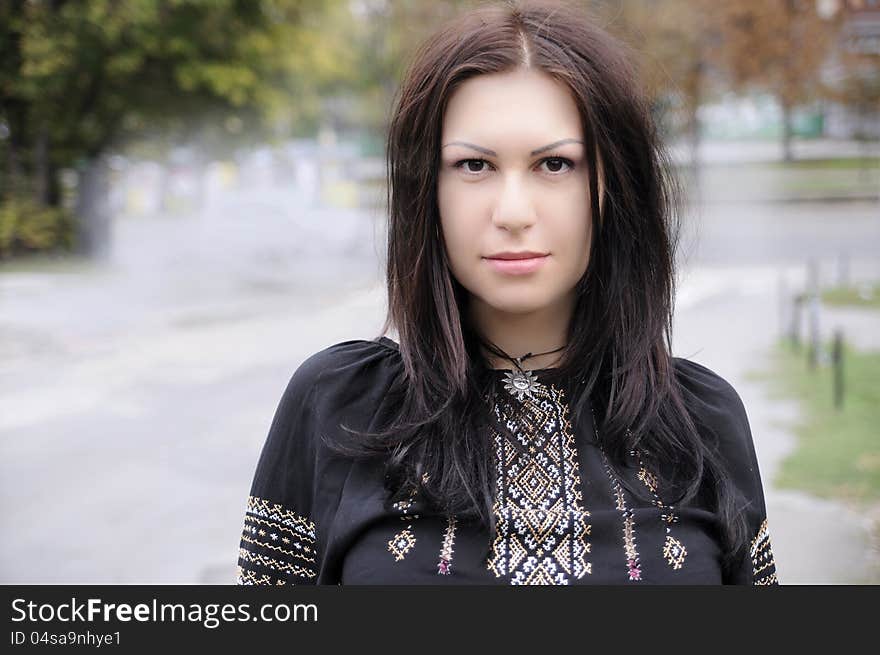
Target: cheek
571 225
457 224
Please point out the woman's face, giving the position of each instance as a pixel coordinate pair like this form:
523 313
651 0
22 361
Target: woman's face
513 178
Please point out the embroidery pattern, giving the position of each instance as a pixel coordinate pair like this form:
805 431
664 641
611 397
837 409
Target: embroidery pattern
541 524
272 563
763 562
674 552
277 545
247 577
633 566
444 566
404 541
630 549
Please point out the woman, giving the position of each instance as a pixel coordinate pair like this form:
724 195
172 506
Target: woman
531 426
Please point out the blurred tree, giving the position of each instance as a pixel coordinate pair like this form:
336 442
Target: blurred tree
388 33
675 42
778 46
692 48
76 78
859 88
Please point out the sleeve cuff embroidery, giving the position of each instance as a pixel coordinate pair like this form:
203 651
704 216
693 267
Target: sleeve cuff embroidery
763 564
277 545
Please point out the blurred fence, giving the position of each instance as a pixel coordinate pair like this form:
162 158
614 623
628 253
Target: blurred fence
804 316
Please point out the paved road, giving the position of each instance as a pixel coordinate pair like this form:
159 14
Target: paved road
135 395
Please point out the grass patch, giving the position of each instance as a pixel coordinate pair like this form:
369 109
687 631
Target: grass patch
838 451
843 163
853 164
863 295
797 180
56 263
822 180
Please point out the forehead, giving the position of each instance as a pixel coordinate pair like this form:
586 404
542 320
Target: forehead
525 105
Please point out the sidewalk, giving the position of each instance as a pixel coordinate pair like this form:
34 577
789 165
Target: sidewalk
815 541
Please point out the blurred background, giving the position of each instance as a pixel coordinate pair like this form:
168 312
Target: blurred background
191 203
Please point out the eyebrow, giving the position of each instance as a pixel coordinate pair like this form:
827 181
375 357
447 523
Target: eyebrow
492 153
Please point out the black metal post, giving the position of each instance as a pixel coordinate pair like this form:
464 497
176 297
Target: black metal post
813 314
837 362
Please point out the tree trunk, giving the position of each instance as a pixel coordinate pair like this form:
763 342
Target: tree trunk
53 190
12 184
787 132
694 131
41 166
93 209
863 136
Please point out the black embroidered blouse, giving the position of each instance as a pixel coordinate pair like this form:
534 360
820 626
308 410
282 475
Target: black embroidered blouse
563 515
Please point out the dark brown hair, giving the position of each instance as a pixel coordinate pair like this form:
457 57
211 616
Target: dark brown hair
620 334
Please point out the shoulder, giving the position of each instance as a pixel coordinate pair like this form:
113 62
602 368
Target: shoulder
721 418
708 396
347 378
357 357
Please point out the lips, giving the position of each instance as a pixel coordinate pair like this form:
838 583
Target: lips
519 263
525 254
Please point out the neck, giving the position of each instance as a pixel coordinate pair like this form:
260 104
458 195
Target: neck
516 334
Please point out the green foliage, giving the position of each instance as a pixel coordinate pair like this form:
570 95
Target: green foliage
79 78
104 70
28 226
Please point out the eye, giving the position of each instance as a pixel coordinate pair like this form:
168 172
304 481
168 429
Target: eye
557 165
465 164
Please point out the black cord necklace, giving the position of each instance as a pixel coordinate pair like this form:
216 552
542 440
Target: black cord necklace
519 383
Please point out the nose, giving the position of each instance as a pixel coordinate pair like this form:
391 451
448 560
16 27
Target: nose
514 209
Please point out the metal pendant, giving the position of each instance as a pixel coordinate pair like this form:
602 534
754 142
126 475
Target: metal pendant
521 384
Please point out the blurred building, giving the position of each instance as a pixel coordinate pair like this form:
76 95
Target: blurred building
862 30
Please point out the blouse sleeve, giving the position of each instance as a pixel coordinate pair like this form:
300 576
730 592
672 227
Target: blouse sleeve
279 538
299 479
717 407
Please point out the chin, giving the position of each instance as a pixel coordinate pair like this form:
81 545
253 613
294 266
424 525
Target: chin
515 302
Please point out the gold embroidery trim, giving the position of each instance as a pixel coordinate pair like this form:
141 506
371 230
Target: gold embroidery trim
404 541
274 564
263 508
401 543
763 562
278 540
674 552
246 577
